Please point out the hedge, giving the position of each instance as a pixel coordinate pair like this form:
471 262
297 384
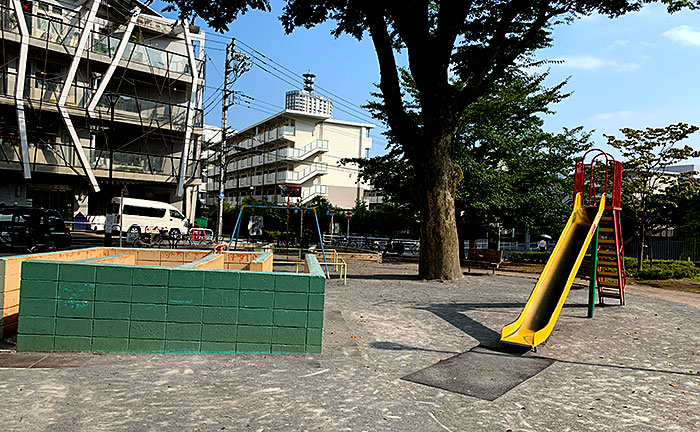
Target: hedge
530 257
661 269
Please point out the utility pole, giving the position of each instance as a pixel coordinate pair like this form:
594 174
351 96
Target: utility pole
237 63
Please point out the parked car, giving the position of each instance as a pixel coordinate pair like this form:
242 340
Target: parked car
142 216
33 229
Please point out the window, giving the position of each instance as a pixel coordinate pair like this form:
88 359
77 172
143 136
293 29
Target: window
55 221
144 211
367 153
176 214
367 132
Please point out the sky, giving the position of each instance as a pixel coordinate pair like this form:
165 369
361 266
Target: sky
640 70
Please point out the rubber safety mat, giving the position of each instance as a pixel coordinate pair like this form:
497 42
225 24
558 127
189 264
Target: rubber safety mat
484 373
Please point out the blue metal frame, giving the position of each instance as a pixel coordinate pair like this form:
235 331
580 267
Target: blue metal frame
237 227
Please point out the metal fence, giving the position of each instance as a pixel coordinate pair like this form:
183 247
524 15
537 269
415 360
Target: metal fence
672 248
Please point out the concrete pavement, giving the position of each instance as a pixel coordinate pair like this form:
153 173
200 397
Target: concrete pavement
631 368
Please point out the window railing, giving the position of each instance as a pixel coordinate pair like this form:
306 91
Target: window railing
314 190
53 29
64 155
136 108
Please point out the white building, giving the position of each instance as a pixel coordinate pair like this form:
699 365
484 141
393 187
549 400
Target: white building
295 149
307 101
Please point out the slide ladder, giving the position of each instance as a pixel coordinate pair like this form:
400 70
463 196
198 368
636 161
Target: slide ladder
610 264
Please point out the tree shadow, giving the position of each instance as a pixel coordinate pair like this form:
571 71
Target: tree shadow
455 314
393 346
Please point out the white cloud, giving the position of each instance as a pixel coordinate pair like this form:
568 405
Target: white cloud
646 44
683 34
619 43
583 62
613 115
588 62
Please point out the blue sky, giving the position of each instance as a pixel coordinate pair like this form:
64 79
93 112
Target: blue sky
635 71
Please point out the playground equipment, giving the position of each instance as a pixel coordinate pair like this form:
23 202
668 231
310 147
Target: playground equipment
237 227
600 217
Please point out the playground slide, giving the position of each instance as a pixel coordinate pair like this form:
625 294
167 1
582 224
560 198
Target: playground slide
542 309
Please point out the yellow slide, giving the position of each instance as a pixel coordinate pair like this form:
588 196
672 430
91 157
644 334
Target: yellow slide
537 319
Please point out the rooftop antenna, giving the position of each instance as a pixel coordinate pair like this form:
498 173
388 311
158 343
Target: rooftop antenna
309 82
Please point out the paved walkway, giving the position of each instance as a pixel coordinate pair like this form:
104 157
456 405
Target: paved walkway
632 368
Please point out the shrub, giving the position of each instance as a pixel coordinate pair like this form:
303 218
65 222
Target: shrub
661 269
530 257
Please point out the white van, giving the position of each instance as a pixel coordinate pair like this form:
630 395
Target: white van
140 216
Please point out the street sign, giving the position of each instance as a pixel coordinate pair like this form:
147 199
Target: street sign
331 210
348 215
221 195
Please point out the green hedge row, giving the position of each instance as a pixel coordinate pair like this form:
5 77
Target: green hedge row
530 257
661 269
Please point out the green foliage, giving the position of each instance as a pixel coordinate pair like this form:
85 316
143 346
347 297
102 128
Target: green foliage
385 220
680 205
514 172
661 269
647 154
530 257
456 51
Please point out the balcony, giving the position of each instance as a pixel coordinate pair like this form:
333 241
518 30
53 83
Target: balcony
55 157
128 108
149 112
298 177
307 194
67 34
290 153
273 134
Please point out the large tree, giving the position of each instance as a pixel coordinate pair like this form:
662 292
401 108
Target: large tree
647 155
473 40
515 173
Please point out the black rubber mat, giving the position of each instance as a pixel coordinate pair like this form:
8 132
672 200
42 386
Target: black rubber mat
484 373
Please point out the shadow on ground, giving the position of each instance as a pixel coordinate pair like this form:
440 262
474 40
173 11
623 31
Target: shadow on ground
455 314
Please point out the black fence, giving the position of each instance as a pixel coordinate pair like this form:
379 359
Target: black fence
673 248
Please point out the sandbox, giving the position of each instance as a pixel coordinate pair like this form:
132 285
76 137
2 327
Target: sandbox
145 300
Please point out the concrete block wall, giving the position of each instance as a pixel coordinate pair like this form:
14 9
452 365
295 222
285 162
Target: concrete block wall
10 269
10 278
87 306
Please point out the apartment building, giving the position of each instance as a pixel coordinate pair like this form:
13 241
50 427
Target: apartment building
86 86
307 101
298 150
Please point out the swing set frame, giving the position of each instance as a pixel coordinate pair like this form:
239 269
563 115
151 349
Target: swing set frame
237 227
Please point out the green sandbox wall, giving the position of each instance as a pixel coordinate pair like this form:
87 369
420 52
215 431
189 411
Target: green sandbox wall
83 306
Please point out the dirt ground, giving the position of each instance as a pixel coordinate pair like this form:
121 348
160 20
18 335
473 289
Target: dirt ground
631 368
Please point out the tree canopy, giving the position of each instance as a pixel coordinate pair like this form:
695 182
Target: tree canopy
515 173
474 41
647 155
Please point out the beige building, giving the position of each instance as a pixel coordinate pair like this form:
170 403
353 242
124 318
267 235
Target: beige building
298 150
67 68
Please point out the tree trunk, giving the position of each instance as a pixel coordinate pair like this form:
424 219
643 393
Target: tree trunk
439 244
